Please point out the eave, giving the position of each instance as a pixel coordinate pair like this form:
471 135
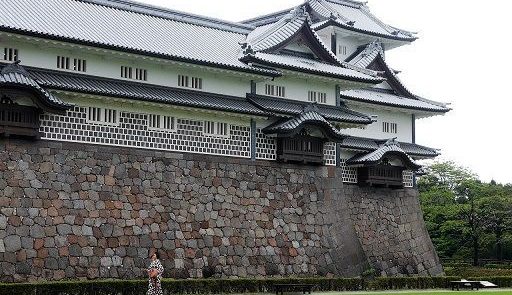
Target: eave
261 72
253 59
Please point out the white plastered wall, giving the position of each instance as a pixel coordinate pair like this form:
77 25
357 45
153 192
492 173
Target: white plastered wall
402 119
104 65
297 88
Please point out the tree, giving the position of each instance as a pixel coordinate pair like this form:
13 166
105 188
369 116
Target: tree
466 218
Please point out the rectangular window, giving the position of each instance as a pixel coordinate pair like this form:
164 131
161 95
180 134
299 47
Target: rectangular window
216 128
10 54
342 50
197 83
141 74
274 90
222 129
161 122
126 72
389 127
209 127
63 62
320 97
190 82
182 81
101 115
79 65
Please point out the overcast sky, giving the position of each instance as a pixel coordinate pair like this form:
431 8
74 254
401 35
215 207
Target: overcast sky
461 57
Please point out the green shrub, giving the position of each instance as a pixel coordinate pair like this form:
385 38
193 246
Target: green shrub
477 272
226 286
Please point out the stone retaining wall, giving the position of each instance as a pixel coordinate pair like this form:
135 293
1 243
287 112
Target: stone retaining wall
83 211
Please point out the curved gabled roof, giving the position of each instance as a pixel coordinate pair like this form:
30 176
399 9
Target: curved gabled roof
372 56
389 149
311 117
350 15
15 77
370 144
277 35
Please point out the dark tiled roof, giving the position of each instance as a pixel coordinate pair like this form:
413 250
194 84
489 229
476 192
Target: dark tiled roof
16 76
133 27
387 98
389 148
140 91
314 67
349 15
371 55
279 106
369 144
278 34
308 117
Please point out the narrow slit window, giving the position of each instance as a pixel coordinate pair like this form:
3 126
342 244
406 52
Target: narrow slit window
209 127
101 115
11 54
126 72
197 83
63 62
141 74
320 97
183 81
79 65
342 50
273 90
388 127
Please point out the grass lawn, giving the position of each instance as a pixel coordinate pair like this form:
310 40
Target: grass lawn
429 292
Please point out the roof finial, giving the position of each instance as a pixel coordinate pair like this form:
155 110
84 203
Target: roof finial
247 48
311 107
391 141
15 67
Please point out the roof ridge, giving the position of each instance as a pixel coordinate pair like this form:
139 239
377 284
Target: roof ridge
255 21
171 14
351 3
306 103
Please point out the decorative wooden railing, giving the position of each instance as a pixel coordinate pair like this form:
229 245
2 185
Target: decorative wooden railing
19 120
303 149
381 175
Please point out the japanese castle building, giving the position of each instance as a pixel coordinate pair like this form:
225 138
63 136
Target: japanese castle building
308 85
280 145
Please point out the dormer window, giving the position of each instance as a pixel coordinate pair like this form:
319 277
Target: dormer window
274 90
190 82
320 97
389 127
342 49
78 65
10 54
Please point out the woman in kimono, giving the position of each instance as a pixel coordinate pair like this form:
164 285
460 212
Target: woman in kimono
155 272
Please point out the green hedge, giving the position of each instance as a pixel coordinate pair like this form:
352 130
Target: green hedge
418 283
218 286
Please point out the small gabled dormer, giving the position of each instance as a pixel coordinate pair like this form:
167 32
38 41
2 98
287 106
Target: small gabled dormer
22 100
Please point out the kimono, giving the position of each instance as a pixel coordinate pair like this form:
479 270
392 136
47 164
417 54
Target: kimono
155 287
